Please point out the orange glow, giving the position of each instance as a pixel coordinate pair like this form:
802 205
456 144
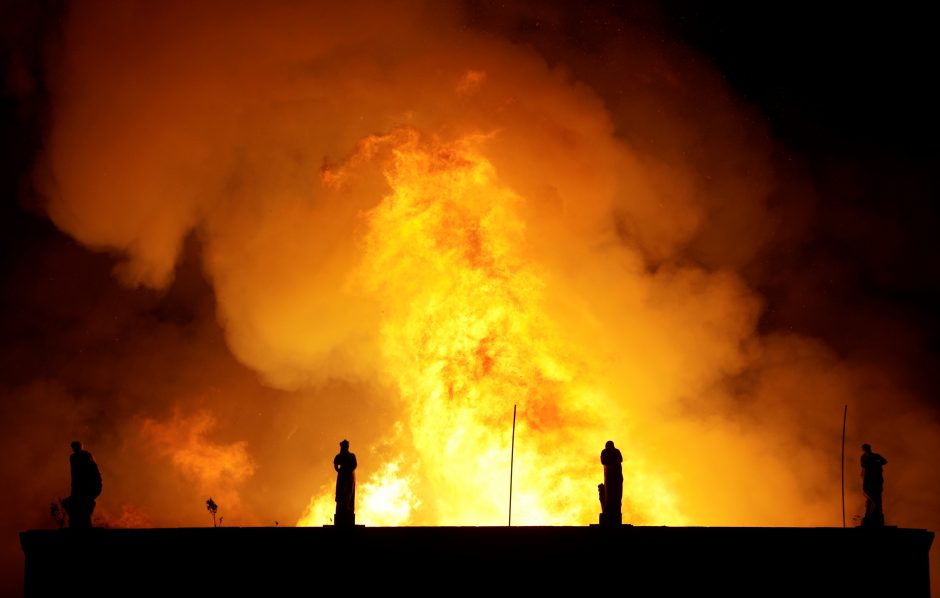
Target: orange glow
384 224
215 468
465 336
385 499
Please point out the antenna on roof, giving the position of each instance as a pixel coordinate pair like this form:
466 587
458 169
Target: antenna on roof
512 458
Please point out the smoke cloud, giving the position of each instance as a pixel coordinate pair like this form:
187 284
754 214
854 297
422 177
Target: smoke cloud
295 197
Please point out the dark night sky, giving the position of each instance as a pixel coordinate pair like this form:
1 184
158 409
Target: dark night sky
848 89
847 94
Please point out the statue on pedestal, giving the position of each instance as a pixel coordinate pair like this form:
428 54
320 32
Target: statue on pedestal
611 491
345 465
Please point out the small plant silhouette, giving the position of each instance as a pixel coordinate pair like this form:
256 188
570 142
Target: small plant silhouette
213 508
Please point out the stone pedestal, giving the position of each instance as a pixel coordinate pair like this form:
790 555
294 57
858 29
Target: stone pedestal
873 520
610 519
344 519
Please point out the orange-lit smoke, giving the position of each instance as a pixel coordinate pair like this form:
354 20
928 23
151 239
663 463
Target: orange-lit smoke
390 201
216 469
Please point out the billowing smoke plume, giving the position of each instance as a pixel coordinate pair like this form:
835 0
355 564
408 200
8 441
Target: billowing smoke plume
407 226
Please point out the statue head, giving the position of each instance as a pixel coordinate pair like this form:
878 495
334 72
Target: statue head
610 444
866 447
76 446
344 444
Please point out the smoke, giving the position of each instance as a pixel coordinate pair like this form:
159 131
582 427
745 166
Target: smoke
212 466
239 163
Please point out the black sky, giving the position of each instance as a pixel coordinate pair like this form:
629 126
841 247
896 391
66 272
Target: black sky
847 94
847 90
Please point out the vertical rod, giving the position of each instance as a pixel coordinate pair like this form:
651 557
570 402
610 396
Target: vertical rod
845 412
512 459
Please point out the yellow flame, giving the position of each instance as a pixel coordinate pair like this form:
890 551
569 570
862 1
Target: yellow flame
385 500
465 337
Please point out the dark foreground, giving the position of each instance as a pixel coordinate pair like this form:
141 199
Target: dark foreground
638 561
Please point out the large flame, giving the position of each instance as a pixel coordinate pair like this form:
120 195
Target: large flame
587 232
466 338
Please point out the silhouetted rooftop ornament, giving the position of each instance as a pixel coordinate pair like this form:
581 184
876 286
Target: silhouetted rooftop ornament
345 465
611 491
873 486
86 487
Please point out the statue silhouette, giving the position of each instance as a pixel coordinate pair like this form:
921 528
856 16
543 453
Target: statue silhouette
345 465
86 487
611 491
872 485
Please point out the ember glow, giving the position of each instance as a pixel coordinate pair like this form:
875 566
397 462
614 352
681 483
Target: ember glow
300 223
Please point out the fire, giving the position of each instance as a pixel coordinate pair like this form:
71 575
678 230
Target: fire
588 229
386 499
213 467
464 337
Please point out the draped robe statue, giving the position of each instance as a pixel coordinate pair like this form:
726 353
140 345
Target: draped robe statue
612 492
345 465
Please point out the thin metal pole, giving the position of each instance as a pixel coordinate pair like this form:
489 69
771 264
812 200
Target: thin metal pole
512 460
845 412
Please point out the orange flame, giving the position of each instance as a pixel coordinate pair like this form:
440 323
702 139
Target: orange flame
386 499
216 468
465 337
